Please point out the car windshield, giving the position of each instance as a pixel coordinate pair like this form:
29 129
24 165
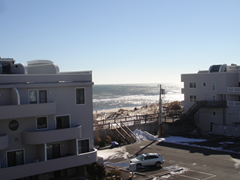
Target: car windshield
140 157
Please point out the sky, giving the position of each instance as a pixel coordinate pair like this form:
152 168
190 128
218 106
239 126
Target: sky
123 42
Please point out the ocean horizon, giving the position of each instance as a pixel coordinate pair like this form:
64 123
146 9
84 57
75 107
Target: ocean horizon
111 96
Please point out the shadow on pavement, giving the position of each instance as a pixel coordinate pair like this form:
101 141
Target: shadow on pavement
196 148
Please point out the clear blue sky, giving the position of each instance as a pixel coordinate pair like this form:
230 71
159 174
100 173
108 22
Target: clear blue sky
127 41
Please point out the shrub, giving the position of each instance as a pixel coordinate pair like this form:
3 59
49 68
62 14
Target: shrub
102 143
113 175
109 139
96 171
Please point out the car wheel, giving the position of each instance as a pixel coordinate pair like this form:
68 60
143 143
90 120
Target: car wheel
158 164
139 166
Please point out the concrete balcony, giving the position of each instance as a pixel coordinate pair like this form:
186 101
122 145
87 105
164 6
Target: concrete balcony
27 110
233 103
4 142
235 90
49 136
42 167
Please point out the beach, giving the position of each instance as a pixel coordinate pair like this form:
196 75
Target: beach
113 101
125 111
139 110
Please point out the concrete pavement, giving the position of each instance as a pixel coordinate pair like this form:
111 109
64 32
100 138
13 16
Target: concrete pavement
184 162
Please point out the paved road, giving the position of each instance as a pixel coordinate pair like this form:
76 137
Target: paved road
183 162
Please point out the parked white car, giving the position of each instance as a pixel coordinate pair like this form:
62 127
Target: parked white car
148 159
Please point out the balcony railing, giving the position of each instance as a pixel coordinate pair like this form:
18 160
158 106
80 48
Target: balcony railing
233 89
233 103
48 136
27 110
4 142
41 167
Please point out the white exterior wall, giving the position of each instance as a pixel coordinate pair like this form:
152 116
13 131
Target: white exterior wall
215 120
61 100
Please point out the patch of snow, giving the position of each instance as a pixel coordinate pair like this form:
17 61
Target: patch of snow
124 164
178 139
114 153
144 136
237 163
175 170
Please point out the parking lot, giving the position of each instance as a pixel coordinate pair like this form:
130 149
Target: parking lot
165 172
179 164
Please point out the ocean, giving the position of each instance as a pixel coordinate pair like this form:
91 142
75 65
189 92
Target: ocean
133 95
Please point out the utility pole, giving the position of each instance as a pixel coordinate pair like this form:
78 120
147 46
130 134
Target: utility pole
160 112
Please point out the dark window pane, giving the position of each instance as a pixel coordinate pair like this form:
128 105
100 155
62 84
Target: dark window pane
43 96
215 68
53 151
19 157
11 159
6 68
63 122
41 122
83 146
80 96
15 158
49 152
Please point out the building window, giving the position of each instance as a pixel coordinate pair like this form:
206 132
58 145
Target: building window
193 98
192 85
13 125
53 151
15 158
42 96
80 96
32 96
214 113
63 122
41 122
6 68
36 96
214 86
214 98
83 146
204 84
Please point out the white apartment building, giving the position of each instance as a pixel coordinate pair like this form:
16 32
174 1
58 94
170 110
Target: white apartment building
46 121
213 96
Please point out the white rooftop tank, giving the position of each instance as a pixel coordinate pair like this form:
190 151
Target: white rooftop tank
42 67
